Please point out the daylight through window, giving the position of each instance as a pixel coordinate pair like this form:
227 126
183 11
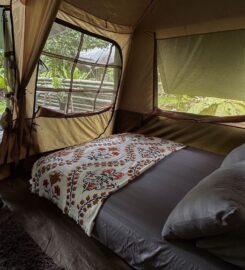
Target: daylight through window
78 72
7 67
203 74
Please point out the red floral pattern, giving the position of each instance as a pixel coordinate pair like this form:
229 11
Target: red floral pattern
80 178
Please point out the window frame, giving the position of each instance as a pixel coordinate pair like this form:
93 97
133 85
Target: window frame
237 121
44 111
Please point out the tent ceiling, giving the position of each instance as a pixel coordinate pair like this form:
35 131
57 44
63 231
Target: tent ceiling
164 13
124 12
174 13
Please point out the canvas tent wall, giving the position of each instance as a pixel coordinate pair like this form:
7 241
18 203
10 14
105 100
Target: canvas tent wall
27 31
135 26
168 20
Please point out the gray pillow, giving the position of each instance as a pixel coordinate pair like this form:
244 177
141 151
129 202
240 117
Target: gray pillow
236 155
229 247
214 207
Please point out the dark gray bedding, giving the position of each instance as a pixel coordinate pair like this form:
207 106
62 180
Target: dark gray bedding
131 221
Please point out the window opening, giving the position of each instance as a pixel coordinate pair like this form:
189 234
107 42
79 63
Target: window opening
78 72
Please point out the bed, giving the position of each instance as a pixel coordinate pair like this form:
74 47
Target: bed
130 221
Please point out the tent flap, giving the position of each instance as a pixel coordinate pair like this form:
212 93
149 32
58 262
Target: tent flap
209 65
38 18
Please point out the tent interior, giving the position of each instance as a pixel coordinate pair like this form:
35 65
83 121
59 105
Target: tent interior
148 89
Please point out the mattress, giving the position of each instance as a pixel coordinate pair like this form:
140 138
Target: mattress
131 221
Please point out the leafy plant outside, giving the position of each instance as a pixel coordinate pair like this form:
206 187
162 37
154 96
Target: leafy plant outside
2 106
201 105
57 72
2 83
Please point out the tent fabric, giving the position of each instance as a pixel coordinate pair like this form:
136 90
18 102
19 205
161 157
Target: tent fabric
216 138
122 12
120 34
172 19
84 128
167 16
51 133
136 81
205 27
4 172
209 65
79 16
193 15
37 18
134 26
237 119
75 130
78 129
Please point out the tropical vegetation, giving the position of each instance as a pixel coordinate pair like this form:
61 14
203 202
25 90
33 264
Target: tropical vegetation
56 69
201 105
64 41
2 83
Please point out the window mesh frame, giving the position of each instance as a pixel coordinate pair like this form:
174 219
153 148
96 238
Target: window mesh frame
75 62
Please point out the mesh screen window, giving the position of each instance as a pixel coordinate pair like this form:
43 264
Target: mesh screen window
202 74
78 72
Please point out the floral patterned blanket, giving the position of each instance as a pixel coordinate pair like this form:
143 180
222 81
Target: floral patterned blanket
79 179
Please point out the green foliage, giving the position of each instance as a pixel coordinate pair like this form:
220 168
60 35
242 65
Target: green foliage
57 82
2 106
201 105
80 74
2 81
110 75
65 42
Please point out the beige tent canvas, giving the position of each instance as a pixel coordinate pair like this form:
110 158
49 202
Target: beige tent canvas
137 68
75 71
